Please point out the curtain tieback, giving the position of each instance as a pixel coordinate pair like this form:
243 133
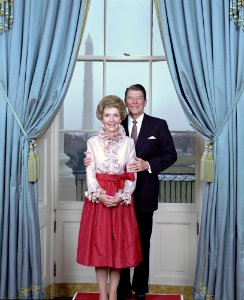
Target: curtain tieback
33 157
207 160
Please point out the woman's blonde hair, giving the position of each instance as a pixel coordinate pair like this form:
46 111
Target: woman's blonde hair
111 101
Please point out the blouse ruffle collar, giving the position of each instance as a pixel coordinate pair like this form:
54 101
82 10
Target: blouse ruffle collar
112 139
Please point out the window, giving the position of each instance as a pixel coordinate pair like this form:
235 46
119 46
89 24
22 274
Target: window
121 46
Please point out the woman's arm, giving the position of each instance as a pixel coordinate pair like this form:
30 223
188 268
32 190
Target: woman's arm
94 189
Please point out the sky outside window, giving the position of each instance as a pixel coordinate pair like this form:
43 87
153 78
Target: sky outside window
125 20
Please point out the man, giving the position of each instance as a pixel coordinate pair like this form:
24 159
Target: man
155 152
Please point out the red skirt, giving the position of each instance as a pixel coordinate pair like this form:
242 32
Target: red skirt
109 236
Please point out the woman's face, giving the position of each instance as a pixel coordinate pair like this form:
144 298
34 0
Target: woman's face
111 120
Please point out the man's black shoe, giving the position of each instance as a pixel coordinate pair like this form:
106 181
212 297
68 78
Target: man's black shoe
126 296
140 297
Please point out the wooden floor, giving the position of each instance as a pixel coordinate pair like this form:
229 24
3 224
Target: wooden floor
64 291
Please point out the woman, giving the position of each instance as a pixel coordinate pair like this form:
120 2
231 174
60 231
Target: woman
108 237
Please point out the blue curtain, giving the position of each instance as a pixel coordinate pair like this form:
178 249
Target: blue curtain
205 54
37 58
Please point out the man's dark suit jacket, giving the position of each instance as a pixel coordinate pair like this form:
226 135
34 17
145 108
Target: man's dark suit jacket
155 145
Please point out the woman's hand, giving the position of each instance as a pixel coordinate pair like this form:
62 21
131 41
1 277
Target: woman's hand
109 201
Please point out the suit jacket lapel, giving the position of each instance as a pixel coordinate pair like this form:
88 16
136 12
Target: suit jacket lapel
143 134
125 124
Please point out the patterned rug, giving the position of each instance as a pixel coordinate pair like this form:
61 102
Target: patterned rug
94 296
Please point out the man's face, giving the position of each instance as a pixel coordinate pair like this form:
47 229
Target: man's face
135 103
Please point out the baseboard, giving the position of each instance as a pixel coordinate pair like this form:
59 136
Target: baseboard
48 292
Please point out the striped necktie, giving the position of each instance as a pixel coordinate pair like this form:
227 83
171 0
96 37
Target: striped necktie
134 131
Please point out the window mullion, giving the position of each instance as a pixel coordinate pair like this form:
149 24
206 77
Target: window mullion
105 48
120 58
149 101
150 60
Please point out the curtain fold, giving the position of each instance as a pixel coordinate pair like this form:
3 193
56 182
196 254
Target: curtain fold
37 59
205 54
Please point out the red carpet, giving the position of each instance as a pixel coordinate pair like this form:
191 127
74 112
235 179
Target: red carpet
94 296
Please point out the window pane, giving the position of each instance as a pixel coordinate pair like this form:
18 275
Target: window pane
121 75
128 27
84 92
94 29
157 41
75 144
177 183
165 100
72 184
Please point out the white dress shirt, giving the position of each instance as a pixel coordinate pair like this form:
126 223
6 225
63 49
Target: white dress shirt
138 124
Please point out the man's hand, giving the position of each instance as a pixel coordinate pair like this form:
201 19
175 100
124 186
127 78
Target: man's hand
87 160
138 165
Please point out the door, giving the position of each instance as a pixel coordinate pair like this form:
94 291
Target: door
175 227
174 245
46 207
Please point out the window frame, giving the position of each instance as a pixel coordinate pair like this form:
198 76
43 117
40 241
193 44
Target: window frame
123 58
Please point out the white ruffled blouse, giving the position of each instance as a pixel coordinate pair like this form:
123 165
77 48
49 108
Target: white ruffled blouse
109 155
